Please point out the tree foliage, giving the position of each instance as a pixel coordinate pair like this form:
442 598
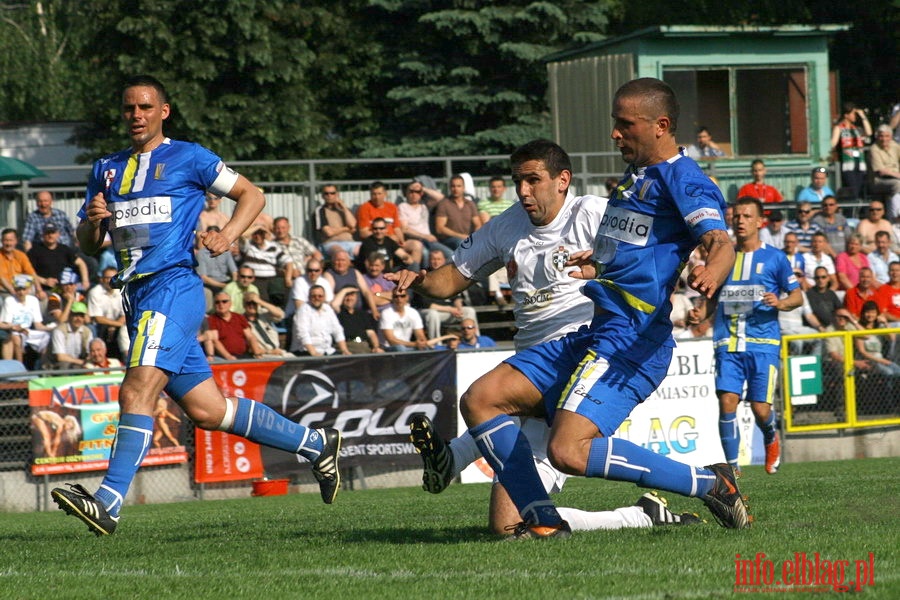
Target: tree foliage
467 77
39 79
275 79
254 80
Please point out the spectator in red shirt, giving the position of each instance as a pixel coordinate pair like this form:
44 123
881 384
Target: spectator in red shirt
888 295
236 339
758 187
861 292
378 206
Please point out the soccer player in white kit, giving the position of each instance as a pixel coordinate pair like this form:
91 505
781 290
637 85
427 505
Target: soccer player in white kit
533 240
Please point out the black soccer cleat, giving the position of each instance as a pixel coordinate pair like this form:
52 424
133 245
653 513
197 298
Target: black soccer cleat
724 500
80 503
436 455
325 468
657 508
529 531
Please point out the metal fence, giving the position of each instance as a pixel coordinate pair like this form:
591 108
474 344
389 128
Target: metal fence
821 393
292 186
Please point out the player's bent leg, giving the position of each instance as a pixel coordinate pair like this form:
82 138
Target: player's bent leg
503 516
569 450
486 406
502 390
263 425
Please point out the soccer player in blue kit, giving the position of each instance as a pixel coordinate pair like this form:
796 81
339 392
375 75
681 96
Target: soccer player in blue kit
149 198
661 210
746 333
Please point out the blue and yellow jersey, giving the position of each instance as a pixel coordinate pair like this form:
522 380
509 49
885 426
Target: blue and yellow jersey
743 323
155 199
654 220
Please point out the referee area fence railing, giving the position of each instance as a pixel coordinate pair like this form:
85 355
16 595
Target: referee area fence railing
821 393
292 186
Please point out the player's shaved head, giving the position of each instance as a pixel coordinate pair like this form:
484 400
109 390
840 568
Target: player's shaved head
657 99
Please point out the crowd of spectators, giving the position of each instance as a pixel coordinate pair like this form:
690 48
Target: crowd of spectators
274 294
279 294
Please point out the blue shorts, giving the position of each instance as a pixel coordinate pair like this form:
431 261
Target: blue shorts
164 313
760 371
601 372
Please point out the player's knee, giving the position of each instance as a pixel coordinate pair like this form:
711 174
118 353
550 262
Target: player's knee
567 456
204 419
478 404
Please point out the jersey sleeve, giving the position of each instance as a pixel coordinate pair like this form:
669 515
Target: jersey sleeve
479 254
698 199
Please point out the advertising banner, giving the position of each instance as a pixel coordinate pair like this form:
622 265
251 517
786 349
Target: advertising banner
679 420
370 398
73 422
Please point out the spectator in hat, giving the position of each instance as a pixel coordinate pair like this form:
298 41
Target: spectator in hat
21 316
773 233
262 317
49 257
60 301
71 339
43 215
211 215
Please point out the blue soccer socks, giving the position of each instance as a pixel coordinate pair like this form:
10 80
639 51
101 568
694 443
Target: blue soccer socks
506 449
768 428
621 460
263 425
133 438
731 439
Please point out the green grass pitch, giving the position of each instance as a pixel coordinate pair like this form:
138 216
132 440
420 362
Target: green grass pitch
404 543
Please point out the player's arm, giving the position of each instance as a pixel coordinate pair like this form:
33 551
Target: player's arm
444 282
708 278
249 202
789 302
92 229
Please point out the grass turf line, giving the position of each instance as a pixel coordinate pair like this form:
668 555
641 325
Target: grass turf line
404 543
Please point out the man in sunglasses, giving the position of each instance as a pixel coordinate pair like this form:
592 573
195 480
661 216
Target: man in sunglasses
803 226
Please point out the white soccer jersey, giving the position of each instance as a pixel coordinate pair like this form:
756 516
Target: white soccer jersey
548 303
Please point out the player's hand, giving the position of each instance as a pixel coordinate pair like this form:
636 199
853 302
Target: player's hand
701 280
406 279
770 299
215 242
96 210
585 268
